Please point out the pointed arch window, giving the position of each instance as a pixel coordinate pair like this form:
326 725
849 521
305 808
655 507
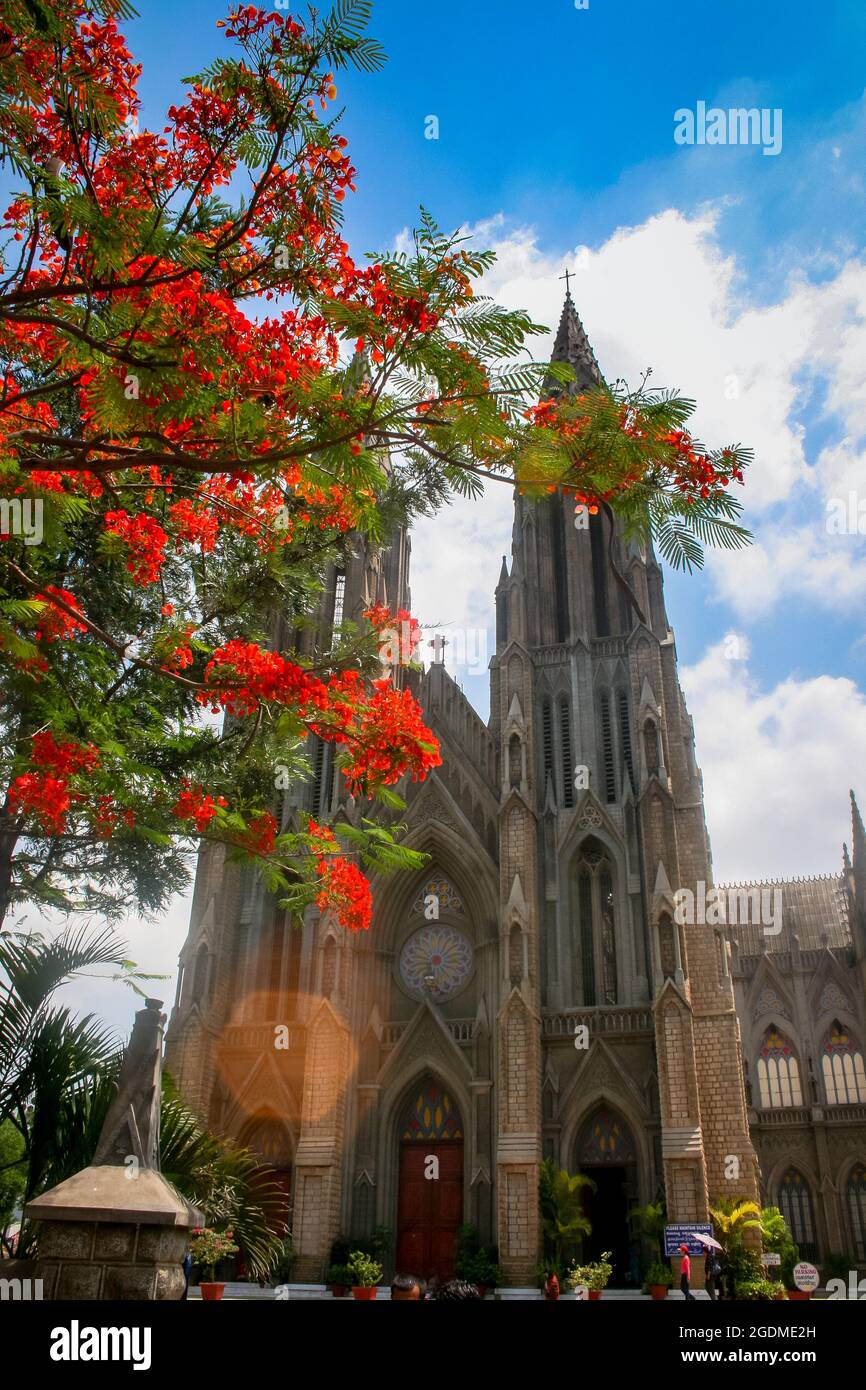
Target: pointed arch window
625 735
842 1064
667 947
607 749
339 599
778 1072
329 968
201 975
651 747
567 758
515 955
599 576
560 571
596 913
515 761
547 740
856 1194
795 1204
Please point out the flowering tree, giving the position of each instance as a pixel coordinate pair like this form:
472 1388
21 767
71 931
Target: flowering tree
205 394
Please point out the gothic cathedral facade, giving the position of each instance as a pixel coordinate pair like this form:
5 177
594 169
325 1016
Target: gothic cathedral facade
531 992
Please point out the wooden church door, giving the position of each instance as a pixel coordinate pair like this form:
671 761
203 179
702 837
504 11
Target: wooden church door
430 1206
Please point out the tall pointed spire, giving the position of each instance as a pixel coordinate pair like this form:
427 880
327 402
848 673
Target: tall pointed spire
573 346
858 841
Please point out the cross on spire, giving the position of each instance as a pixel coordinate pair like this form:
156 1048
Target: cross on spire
565 277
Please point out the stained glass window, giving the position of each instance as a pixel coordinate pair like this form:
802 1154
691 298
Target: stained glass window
778 1072
437 960
431 1116
844 1072
447 899
605 1138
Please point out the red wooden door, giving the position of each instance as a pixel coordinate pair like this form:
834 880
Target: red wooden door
430 1209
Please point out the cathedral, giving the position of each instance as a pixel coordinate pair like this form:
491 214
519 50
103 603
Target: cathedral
534 991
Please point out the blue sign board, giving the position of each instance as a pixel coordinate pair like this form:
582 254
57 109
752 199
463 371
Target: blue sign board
675 1236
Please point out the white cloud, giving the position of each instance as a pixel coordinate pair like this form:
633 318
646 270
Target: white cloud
663 294
776 764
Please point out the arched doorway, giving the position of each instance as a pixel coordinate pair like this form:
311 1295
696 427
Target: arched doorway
268 1139
430 1201
606 1153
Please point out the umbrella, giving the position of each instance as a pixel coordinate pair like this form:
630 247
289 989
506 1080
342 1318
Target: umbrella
705 1240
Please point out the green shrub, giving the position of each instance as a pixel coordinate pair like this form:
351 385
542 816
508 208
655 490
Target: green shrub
364 1271
758 1290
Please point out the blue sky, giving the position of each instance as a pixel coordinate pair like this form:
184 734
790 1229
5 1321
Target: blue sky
739 277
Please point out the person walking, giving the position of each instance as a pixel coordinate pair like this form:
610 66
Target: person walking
686 1273
712 1271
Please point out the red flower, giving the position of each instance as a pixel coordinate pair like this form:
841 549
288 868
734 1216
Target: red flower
55 622
145 540
192 804
346 892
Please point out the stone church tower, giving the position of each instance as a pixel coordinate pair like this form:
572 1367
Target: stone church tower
529 993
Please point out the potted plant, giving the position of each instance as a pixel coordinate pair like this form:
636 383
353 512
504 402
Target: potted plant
366 1273
594 1276
659 1279
480 1269
339 1280
207 1248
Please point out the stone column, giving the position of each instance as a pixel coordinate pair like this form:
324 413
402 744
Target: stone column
118 1229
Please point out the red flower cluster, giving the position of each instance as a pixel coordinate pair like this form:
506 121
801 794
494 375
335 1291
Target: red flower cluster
45 794
55 622
145 541
400 631
193 804
391 739
241 675
107 817
345 891
261 835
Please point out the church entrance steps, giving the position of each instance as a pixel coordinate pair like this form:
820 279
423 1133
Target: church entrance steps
319 1293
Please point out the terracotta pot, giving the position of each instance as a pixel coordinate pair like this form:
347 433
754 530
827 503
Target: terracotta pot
658 1291
338 1290
364 1295
595 1294
212 1292
800 1295
482 1290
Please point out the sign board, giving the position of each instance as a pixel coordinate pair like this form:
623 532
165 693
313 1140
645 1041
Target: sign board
806 1277
675 1236
771 1258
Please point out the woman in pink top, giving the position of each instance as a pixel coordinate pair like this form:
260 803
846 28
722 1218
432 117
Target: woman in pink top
686 1273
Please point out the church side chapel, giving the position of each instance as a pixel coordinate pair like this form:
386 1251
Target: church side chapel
530 993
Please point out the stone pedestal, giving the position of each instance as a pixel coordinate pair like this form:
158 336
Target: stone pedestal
105 1235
